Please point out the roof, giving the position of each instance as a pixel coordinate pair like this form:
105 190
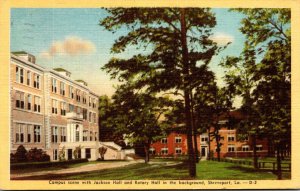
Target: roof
19 52
61 70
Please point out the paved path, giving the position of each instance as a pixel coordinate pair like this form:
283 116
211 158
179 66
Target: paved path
83 168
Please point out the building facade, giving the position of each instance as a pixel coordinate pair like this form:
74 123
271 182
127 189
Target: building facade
51 111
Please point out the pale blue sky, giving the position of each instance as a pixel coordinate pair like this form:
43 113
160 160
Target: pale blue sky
35 30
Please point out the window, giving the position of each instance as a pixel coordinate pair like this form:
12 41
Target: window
94 116
71 108
88 153
230 137
37 104
77 133
84 112
63 106
178 150
84 98
54 85
20 100
85 134
164 140
91 135
152 151
54 106
29 102
28 78
37 133
54 134
259 147
231 148
90 101
17 74
78 95
20 133
36 82
164 151
94 103
71 93
204 139
55 154
29 130
90 116
96 136
245 148
177 139
78 110
63 134
62 88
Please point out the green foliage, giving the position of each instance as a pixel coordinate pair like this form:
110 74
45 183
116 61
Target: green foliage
20 155
37 155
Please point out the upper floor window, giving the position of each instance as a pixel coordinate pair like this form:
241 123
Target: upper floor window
62 88
37 133
90 101
28 78
29 100
177 139
37 104
204 139
85 135
20 100
96 136
94 116
36 82
77 134
54 85
71 108
19 75
90 116
84 112
164 140
94 103
71 92
78 95
63 106
84 98
54 106
91 135
230 137
54 134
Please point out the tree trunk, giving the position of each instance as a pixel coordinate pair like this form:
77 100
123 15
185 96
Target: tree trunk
279 175
218 145
255 165
146 148
209 157
187 101
194 129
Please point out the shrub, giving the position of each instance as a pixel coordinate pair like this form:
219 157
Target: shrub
37 155
20 155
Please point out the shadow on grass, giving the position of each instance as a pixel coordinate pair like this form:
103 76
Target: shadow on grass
130 172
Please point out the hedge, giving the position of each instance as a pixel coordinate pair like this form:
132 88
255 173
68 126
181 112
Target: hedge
16 166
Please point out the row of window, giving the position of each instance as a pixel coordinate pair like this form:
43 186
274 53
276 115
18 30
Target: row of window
27 133
92 117
28 102
231 148
165 140
165 151
20 77
72 93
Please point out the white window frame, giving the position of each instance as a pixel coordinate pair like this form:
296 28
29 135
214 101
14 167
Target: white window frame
178 139
245 148
178 150
28 82
230 136
231 148
164 140
164 151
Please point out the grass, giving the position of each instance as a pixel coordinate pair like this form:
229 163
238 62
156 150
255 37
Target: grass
206 170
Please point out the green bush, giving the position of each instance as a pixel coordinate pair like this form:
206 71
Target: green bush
37 155
20 155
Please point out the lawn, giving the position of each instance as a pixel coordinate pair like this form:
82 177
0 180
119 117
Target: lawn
206 170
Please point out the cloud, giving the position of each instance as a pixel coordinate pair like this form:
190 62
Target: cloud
222 39
71 45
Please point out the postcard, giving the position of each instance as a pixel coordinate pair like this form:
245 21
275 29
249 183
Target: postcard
149 95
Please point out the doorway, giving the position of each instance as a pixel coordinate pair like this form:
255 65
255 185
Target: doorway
70 154
203 151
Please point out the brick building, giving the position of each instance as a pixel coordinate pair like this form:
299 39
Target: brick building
51 111
232 145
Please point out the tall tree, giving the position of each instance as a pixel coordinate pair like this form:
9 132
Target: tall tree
176 40
268 32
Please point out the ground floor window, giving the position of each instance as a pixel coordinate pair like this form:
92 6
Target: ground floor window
88 153
259 147
245 148
152 151
231 148
164 151
178 150
55 154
